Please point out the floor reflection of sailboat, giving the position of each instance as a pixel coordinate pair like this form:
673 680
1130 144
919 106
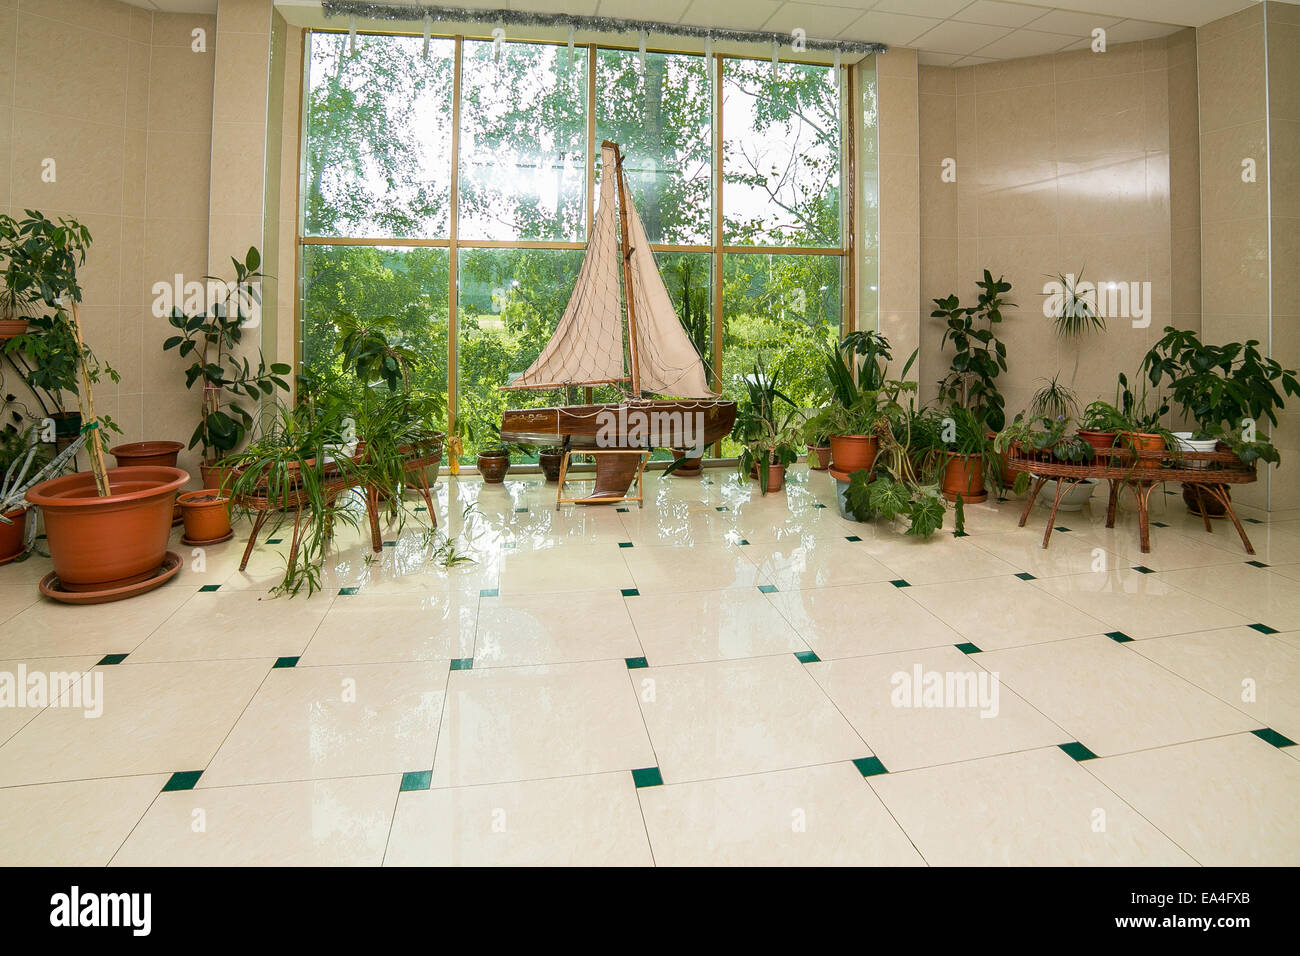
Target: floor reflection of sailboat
593 346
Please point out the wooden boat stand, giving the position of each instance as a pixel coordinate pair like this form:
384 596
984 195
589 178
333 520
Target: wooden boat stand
1208 473
414 468
616 469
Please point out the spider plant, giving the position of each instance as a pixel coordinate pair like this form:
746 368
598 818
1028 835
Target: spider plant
768 443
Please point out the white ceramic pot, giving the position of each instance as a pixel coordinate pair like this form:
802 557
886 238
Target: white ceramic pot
1187 443
1076 496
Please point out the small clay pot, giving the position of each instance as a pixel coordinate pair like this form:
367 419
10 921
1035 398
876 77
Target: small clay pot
206 514
819 457
138 453
550 460
1141 441
12 328
964 475
493 469
1100 441
690 468
11 535
850 453
215 476
775 478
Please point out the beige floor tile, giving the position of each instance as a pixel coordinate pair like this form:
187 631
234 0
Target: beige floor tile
861 619
157 718
1037 808
1170 549
554 629
589 820
524 723
78 823
940 560
341 822
212 626
50 629
1065 554
1109 698
1289 571
28 687
733 717
376 628
812 816
1140 605
993 613
1256 594
1273 544
308 723
1226 802
821 565
884 700
1255 673
556 570
703 568
710 626
15 597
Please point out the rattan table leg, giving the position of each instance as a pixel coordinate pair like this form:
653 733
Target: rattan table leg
252 537
1226 500
1112 502
1033 495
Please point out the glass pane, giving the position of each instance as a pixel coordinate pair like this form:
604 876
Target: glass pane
378 146
868 193
510 302
781 162
523 142
372 282
784 309
661 116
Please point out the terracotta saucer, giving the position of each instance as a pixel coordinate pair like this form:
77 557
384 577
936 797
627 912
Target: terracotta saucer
51 588
203 544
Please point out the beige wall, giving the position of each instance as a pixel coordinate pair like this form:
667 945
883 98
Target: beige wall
1077 161
115 96
896 80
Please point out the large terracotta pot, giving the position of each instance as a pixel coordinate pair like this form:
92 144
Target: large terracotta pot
139 453
775 478
493 469
206 514
819 457
850 453
1101 443
1141 441
11 535
11 328
215 476
550 460
964 475
99 543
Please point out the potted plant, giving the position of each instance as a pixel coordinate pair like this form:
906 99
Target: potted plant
212 339
549 460
19 301
768 448
1139 427
1045 438
107 529
1099 424
206 514
965 447
493 463
1227 390
21 459
978 356
849 420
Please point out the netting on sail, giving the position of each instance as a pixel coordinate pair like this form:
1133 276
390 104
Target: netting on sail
667 362
587 347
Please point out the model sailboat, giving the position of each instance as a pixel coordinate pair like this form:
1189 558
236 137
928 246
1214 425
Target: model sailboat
650 353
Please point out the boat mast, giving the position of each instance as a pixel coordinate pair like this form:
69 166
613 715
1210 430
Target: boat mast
627 268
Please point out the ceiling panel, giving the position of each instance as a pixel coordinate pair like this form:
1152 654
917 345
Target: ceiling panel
939 9
998 13
1133 30
892 29
1066 21
817 19
953 37
737 14
1026 43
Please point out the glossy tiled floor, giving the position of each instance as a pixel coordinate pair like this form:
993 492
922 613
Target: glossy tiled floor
708 680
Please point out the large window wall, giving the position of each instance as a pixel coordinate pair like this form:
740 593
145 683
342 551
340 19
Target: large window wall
451 188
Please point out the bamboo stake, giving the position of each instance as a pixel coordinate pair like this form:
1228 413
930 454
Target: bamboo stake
86 402
627 270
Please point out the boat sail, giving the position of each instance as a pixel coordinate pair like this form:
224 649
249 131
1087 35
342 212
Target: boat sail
593 346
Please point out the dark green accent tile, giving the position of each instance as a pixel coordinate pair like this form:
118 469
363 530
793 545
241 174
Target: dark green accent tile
1159 524
345 592
1119 637
208 588
462 663
274 540
1142 569
819 505
1025 576
900 583
629 592
870 766
182 780
635 663
623 510
647 777
968 648
282 662
390 544
767 588
960 534
489 592
721 508
625 544
421 508
416 780
743 541
507 546
521 511
807 657
852 537
1077 751
1263 628
1171 492
1251 520
1257 564
1270 736
1060 527
111 659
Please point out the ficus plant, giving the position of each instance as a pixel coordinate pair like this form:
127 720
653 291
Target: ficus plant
978 356
212 339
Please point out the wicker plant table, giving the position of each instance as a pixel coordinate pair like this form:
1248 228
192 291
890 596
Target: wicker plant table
1208 474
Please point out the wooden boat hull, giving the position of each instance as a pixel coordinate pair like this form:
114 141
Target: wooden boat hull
658 424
